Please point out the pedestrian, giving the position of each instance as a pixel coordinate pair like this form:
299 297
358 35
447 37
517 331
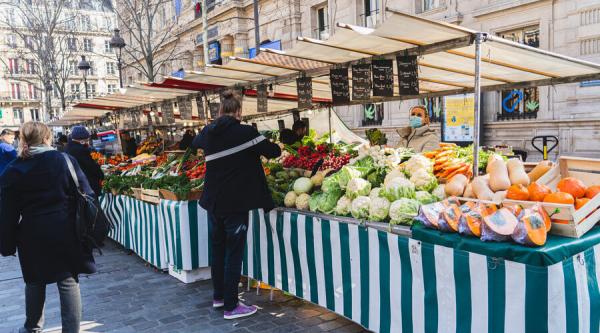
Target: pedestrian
7 151
418 135
235 183
291 136
80 150
186 141
37 218
129 145
61 142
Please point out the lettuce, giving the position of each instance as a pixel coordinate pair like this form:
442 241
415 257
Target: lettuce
327 201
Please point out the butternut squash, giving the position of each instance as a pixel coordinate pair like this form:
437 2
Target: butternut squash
456 185
469 191
539 170
481 189
498 172
516 172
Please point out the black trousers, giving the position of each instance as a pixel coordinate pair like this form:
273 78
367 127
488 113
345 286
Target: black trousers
228 236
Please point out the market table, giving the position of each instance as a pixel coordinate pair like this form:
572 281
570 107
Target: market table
392 283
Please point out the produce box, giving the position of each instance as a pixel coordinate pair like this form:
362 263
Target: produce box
169 195
137 193
152 196
574 223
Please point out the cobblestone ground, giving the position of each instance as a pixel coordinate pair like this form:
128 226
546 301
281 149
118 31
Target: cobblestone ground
128 296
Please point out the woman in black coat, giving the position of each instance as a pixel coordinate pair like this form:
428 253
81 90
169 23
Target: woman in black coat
79 149
37 218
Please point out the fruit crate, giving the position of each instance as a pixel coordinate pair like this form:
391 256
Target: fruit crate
152 196
137 193
575 223
169 195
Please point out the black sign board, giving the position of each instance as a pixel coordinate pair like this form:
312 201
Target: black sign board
214 110
408 75
304 91
296 115
383 77
200 107
281 124
185 107
361 82
262 104
340 88
168 114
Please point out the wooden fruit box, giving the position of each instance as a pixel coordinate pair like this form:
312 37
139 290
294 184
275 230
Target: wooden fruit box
137 192
168 195
580 221
152 196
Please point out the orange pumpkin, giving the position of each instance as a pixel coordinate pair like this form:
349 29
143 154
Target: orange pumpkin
517 192
560 197
573 186
581 202
538 192
592 191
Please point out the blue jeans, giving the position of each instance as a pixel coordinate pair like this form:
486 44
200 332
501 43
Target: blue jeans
228 237
70 306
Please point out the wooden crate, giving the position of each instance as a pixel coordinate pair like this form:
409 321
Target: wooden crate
168 195
578 221
152 196
137 193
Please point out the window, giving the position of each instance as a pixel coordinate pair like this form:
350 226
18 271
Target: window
92 70
18 114
107 47
75 90
112 88
322 28
11 40
31 89
371 11
13 66
72 44
85 23
177 5
372 114
197 9
73 67
87 45
91 90
35 114
30 67
110 68
520 103
29 42
15 90
427 5
10 17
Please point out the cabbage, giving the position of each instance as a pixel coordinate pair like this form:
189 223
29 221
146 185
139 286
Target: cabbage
396 173
290 199
347 173
418 162
302 185
331 184
343 206
379 209
360 207
302 201
357 187
375 193
403 210
424 180
328 201
398 188
439 192
425 197
313 203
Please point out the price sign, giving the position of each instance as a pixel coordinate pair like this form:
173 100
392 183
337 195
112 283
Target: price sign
185 107
340 88
168 113
383 77
200 107
361 82
262 103
214 110
408 75
304 91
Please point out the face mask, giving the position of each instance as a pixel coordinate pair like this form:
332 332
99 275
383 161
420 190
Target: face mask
415 122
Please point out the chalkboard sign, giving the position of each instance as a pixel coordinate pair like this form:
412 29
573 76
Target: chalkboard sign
383 77
408 75
185 107
213 108
168 114
361 82
340 88
262 104
281 124
149 118
304 91
200 107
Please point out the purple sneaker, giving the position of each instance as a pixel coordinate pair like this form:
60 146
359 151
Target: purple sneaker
218 303
242 310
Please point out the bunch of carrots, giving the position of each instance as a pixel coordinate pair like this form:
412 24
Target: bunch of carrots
447 162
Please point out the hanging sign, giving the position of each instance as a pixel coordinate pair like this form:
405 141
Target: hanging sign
361 82
185 107
304 92
459 118
213 108
383 77
262 103
200 106
340 88
136 118
408 75
168 114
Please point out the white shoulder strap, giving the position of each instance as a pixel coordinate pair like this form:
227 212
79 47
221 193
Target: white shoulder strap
235 149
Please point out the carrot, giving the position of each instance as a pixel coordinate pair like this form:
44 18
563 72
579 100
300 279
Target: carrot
430 154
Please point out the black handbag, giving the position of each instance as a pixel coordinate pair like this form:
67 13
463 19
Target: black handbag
91 225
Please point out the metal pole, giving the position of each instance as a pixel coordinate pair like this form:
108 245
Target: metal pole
479 38
256 28
120 74
330 135
85 85
205 31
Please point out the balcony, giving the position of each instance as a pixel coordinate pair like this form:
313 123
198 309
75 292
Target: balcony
371 19
8 97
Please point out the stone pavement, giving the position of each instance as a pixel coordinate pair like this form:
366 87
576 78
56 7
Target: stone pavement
126 295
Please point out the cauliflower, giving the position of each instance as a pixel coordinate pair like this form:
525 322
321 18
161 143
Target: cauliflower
425 197
343 207
378 209
375 193
418 162
302 201
403 211
360 207
423 180
439 192
395 173
398 188
357 187
290 199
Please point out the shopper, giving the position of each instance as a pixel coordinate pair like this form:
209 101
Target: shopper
129 145
37 218
418 135
187 140
298 131
61 142
79 149
235 183
7 151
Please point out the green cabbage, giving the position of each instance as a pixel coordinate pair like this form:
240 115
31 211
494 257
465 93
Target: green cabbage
313 203
328 201
331 184
403 210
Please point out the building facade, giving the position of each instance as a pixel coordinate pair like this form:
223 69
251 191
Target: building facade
22 93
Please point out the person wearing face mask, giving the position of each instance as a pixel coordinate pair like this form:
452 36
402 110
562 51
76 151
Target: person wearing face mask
418 135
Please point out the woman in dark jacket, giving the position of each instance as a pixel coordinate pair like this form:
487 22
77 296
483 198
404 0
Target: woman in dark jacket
234 184
78 148
37 218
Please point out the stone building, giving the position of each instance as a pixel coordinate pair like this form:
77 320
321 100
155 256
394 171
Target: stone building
22 93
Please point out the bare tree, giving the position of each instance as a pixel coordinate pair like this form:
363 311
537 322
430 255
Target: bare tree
150 34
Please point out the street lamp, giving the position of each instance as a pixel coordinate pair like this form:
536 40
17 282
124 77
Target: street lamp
84 66
117 42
